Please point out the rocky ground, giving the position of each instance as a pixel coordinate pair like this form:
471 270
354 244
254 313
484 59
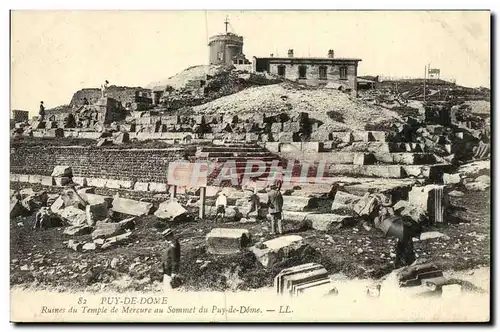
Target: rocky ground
272 99
40 258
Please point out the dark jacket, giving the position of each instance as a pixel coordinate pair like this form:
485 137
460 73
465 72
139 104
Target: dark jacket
275 201
41 112
171 258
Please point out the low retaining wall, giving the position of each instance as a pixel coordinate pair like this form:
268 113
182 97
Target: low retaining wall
143 165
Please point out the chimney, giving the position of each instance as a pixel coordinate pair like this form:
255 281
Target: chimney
290 53
331 54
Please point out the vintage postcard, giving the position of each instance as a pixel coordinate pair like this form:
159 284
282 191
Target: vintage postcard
250 166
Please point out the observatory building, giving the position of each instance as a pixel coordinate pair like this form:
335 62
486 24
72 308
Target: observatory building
226 48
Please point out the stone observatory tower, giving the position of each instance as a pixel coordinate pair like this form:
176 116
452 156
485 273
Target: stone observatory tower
226 48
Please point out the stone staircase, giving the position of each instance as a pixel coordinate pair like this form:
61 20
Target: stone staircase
239 157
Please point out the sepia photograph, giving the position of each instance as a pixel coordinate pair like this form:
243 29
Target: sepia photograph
250 166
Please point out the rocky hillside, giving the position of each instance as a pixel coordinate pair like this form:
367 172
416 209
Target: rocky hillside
180 80
337 110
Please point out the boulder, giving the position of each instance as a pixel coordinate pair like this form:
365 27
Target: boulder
279 249
297 203
106 230
298 221
78 230
455 193
58 205
483 179
96 199
344 201
96 212
100 242
171 210
73 216
327 222
293 221
475 168
476 186
89 246
132 207
72 198
451 178
62 171
416 213
227 240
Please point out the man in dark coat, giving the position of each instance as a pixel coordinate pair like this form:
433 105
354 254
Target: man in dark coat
405 255
41 112
172 254
275 202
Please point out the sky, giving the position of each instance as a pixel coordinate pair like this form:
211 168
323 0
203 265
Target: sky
55 53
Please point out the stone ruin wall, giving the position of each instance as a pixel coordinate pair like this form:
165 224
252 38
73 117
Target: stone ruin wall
145 165
122 94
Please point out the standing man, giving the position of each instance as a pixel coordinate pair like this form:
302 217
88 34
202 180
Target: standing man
41 112
221 204
104 87
171 258
275 203
254 201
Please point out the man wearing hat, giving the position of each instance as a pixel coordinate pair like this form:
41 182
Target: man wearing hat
171 256
104 87
41 112
275 203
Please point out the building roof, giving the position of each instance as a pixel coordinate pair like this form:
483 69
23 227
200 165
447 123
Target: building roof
308 58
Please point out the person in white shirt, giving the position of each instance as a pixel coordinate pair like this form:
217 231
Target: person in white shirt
221 204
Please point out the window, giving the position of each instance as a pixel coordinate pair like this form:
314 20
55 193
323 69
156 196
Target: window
322 72
219 55
343 73
281 71
302 71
